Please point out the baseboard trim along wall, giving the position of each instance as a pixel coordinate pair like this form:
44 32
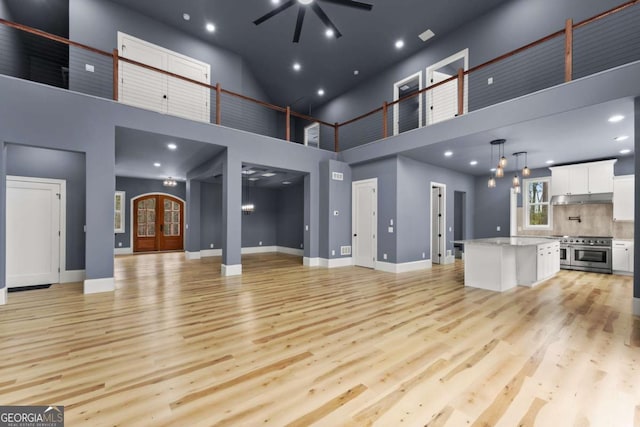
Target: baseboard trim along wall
636 306
205 253
94 286
72 276
192 255
231 270
123 251
405 267
336 262
3 296
311 262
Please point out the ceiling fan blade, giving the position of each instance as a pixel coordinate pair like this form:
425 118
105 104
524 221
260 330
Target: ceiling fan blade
351 3
301 13
274 12
325 19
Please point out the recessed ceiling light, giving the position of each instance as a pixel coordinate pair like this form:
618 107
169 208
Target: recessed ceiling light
549 162
210 27
356 72
186 16
473 162
268 174
492 169
275 1
621 138
448 153
157 164
320 92
248 172
399 44
253 179
625 151
297 66
172 146
329 33
305 2
286 182
617 118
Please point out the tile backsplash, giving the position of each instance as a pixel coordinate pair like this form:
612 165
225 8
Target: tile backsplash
595 220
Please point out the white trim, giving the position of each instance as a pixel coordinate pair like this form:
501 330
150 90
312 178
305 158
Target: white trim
3 296
311 262
123 251
231 270
525 204
396 96
463 54
405 267
123 202
72 276
336 262
354 245
290 251
207 253
443 241
192 255
133 199
635 306
94 286
62 258
258 250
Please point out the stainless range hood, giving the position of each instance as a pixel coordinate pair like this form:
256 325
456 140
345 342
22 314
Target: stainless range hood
582 199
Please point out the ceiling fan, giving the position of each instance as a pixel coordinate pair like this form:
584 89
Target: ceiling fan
313 4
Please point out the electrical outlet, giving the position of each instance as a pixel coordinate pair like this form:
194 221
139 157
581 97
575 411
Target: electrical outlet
424 255
498 228
211 246
384 256
90 68
333 252
119 244
260 243
490 81
301 245
391 221
390 229
306 228
450 229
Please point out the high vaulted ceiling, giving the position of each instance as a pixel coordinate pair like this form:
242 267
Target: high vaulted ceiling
366 45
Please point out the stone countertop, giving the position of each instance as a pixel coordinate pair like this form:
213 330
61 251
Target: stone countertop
509 241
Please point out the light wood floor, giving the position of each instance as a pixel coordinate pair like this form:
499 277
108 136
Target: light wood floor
176 345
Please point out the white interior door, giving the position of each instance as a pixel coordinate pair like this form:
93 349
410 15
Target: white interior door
187 99
139 86
438 225
444 98
365 224
33 232
407 114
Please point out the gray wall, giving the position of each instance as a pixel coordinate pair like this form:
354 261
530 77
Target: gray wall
414 198
335 196
508 27
260 227
290 221
96 23
210 215
56 164
135 187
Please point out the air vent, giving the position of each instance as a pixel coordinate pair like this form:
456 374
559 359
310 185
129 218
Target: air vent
337 176
345 250
426 35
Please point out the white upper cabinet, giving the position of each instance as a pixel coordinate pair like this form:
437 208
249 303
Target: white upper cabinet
623 198
585 178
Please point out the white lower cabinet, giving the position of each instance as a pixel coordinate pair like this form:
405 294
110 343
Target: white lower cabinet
622 256
548 262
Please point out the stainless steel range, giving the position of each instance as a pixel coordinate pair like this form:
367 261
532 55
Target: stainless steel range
586 253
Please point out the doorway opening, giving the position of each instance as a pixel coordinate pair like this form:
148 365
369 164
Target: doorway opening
312 135
407 114
442 101
158 223
364 205
438 223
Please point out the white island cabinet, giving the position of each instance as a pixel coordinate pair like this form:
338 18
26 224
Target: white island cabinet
501 263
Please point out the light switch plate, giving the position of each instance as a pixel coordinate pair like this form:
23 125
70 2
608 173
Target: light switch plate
90 68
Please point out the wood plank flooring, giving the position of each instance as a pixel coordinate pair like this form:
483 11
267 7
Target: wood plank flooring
288 345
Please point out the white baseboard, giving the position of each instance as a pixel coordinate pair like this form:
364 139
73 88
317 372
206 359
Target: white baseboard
94 286
123 251
405 267
449 259
258 250
207 253
192 255
290 251
623 273
635 307
3 296
231 270
311 262
336 262
72 276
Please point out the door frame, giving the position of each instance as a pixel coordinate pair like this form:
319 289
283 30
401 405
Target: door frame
306 133
62 244
443 240
463 54
396 95
364 182
155 193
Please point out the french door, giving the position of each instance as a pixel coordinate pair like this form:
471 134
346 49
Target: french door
158 223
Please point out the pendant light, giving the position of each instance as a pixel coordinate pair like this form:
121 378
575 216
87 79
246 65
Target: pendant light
492 181
516 178
169 182
502 160
525 170
247 206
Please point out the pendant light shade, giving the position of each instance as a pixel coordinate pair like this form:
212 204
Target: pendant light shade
492 182
517 190
515 181
525 170
503 161
499 172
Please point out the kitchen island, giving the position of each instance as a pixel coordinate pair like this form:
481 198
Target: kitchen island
501 263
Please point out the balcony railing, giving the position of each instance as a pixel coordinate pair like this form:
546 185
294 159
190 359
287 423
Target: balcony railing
602 42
